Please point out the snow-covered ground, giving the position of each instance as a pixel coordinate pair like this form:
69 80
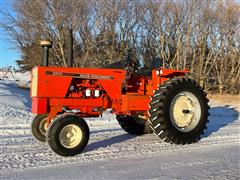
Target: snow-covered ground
113 154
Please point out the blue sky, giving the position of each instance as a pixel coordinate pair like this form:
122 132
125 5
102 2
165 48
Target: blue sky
8 52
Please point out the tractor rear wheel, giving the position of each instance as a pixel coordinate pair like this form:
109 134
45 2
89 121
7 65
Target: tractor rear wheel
39 127
68 135
133 125
179 111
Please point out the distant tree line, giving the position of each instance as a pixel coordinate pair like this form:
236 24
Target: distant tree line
201 35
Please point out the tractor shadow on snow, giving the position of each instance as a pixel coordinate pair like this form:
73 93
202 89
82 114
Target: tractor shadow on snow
108 142
220 117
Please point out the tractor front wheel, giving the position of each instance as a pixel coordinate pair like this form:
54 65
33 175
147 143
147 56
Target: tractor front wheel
68 135
179 111
39 127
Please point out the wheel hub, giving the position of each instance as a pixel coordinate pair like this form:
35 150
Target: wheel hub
70 136
185 111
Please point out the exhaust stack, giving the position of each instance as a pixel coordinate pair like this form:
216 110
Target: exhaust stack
46 45
70 48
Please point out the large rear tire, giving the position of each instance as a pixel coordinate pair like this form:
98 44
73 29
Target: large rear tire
133 125
179 111
68 135
39 128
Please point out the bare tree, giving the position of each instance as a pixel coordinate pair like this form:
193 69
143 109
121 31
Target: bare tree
201 35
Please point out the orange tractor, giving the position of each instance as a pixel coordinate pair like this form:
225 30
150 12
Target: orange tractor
174 106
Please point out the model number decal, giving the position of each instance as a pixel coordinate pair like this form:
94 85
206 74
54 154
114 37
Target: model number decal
84 76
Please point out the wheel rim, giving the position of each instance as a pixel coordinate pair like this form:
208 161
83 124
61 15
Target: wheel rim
70 136
43 126
185 111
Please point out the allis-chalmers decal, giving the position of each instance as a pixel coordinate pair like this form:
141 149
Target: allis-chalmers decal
75 75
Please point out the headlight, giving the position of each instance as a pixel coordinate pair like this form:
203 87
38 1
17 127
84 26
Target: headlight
96 93
88 93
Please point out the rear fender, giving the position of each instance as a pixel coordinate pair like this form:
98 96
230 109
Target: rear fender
161 75
172 73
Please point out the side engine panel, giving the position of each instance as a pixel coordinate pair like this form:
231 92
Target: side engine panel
54 87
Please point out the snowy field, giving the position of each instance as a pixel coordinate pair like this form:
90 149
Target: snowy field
113 154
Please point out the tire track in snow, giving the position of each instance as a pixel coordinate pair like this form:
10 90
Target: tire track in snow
33 156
